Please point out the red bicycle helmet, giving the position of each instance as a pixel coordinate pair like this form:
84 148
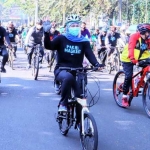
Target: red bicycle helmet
143 28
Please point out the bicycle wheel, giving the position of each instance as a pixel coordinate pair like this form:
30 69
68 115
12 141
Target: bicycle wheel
146 98
108 67
116 64
118 87
63 120
89 139
11 57
35 67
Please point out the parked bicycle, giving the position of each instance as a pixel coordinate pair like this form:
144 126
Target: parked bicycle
36 58
87 127
137 83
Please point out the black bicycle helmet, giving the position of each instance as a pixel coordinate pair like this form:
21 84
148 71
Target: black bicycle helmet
143 28
39 21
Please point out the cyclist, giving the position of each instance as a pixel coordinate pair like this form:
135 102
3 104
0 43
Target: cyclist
112 39
101 40
71 48
84 31
128 33
13 35
50 55
136 50
3 51
33 38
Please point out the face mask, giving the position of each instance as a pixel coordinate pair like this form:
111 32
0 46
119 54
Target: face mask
74 31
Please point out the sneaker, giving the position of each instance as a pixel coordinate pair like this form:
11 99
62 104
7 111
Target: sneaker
28 66
57 88
3 70
62 108
125 102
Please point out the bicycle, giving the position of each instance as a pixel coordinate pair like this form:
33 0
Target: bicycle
135 87
11 55
87 127
113 61
36 61
52 61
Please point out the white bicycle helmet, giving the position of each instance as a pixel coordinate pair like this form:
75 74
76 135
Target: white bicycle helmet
73 18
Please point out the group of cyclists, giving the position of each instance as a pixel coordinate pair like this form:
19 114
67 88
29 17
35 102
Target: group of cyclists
73 45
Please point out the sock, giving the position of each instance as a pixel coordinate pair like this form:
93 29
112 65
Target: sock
124 96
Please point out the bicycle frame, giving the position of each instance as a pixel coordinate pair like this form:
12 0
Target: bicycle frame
144 71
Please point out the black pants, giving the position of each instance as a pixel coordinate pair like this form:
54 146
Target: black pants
30 53
50 56
68 81
4 53
128 69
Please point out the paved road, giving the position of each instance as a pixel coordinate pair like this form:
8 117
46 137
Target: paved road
28 107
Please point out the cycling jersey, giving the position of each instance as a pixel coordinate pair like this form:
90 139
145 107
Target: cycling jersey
102 38
112 38
136 49
3 34
34 37
12 35
86 33
70 54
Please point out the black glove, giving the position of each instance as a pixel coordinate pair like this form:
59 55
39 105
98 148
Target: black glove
98 65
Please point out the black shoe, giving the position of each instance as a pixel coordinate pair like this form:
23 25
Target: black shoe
3 70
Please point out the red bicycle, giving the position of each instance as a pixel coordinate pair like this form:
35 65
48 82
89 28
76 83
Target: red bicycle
134 90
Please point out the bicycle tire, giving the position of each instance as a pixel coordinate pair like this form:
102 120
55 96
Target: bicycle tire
63 116
35 67
118 88
87 136
11 59
117 64
108 68
144 98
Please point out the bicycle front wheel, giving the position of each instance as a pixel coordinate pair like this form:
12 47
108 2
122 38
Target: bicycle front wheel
89 137
116 64
118 87
63 120
35 67
146 98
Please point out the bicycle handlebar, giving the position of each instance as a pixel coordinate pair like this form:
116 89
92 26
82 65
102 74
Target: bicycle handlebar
78 68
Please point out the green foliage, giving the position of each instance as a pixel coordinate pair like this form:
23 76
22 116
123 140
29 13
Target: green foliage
132 10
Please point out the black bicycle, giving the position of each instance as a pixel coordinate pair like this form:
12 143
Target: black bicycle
87 126
36 57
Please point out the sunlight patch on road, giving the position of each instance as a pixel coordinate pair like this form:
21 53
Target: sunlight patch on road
124 125
26 87
4 93
47 133
13 85
46 94
107 89
55 99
